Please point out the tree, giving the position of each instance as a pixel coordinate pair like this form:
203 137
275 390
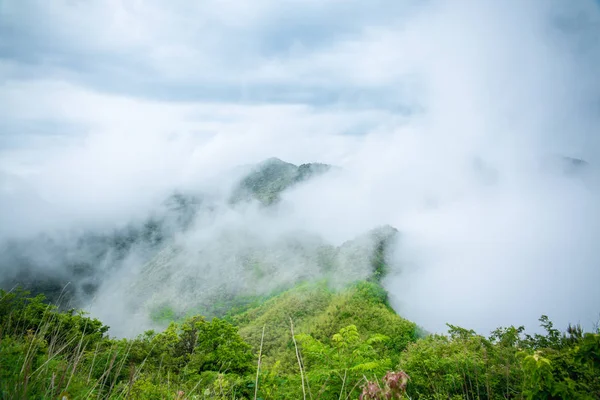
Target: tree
339 366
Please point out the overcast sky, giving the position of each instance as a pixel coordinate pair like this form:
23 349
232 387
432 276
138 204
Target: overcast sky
106 105
72 68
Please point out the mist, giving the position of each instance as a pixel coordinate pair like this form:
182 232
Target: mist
471 127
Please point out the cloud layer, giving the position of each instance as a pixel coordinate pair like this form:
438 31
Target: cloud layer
450 121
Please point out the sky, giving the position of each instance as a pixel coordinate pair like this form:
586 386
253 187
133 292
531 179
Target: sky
445 115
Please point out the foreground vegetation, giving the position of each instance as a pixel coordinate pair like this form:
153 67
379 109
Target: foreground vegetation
305 343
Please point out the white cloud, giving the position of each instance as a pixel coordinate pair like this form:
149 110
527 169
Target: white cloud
488 237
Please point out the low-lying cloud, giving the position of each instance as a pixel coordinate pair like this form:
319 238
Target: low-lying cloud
453 122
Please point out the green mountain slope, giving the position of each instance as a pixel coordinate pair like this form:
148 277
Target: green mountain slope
317 310
346 343
267 180
234 268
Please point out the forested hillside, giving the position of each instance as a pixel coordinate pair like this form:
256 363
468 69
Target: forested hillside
309 342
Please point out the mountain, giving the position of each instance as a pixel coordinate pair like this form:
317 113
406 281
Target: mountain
242 305
192 252
267 180
215 272
197 250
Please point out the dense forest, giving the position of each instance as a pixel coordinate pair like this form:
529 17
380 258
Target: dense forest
309 342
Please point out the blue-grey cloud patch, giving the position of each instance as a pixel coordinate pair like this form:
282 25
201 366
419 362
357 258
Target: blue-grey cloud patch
320 24
38 133
189 56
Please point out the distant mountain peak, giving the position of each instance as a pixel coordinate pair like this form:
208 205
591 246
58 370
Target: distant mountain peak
269 178
273 160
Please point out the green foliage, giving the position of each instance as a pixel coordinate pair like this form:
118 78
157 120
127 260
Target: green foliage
163 314
302 304
380 267
345 345
325 316
45 353
365 305
20 313
270 178
447 366
340 365
538 382
39 344
506 365
214 346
